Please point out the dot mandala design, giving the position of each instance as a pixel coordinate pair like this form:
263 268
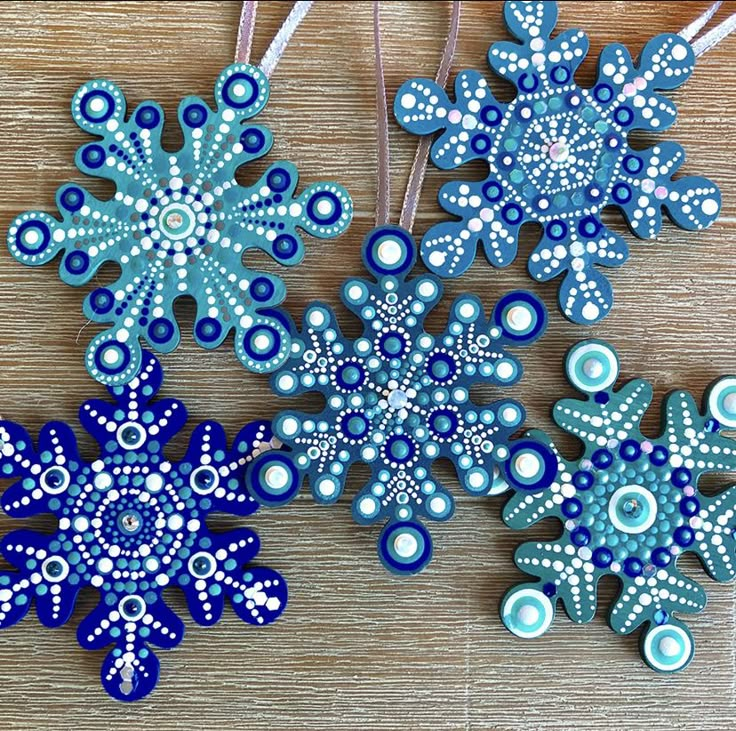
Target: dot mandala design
130 524
557 156
630 506
179 224
397 399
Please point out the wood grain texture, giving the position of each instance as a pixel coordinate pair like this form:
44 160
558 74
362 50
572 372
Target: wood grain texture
357 648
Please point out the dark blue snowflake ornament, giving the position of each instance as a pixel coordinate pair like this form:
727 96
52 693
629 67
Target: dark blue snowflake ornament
630 507
398 399
179 224
557 155
132 523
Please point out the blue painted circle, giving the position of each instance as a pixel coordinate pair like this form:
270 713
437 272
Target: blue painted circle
123 358
208 330
262 289
194 115
397 237
278 180
253 140
72 199
394 542
161 330
76 262
101 301
93 156
285 246
44 237
324 219
97 117
258 486
240 100
147 116
267 353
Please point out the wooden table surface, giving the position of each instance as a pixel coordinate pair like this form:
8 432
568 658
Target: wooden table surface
357 648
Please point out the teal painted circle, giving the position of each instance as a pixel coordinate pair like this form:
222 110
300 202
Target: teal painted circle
722 402
592 366
668 648
476 481
632 509
520 318
527 613
177 221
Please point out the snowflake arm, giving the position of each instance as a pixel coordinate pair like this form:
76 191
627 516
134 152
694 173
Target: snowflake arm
398 398
179 224
130 524
629 507
557 155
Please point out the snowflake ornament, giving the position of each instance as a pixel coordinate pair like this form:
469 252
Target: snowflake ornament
557 155
180 224
397 399
130 524
630 506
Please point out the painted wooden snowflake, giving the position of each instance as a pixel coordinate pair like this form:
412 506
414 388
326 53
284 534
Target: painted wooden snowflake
180 224
130 524
557 155
398 398
630 506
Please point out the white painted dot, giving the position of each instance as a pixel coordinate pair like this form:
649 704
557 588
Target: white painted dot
238 89
154 482
710 207
389 252
316 318
679 52
408 101
590 311
427 289
405 544
97 104
519 318
593 368
729 403
527 465
528 615
277 477
437 504
504 370
104 565
510 414
467 310
175 521
103 481
437 258
289 426
325 207
261 342
476 480
286 382
326 487
367 505
80 524
669 647
355 292
31 237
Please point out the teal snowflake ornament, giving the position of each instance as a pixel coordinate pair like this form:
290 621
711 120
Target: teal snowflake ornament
179 224
130 524
557 156
630 506
398 398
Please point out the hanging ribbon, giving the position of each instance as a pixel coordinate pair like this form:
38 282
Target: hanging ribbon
419 167
278 45
713 37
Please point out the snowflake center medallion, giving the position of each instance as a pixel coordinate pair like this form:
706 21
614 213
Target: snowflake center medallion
398 399
630 506
557 155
